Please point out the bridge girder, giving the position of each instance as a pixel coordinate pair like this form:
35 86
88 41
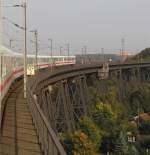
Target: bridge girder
71 98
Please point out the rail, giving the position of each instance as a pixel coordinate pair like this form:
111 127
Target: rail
50 143
44 77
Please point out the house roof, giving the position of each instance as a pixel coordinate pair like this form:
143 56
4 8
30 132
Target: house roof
144 117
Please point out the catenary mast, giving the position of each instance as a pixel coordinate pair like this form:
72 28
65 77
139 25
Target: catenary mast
1 21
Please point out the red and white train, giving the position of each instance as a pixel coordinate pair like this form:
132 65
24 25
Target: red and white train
11 66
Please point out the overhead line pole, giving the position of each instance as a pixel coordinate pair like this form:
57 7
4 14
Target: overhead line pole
25 48
61 50
10 43
82 54
1 22
36 47
123 46
1 63
103 55
85 52
68 49
51 47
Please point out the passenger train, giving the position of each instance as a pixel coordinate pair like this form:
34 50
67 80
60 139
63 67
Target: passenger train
11 67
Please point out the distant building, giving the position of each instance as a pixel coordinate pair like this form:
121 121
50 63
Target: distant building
142 117
131 137
97 58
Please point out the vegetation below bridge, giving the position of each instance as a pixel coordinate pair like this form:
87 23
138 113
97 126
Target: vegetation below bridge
119 119
112 126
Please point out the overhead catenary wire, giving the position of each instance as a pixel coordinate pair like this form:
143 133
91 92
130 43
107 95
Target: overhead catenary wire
16 25
11 6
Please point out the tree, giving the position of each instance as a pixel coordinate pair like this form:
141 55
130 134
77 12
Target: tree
104 117
79 143
143 55
87 126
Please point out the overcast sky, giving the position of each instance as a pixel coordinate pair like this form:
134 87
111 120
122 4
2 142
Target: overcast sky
95 23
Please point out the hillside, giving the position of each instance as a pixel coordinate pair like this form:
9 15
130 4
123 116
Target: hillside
143 55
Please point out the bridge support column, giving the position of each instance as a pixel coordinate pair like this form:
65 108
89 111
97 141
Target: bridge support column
67 105
145 74
79 96
46 104
138 74
134 74
83 93
148 74
120 74
116 74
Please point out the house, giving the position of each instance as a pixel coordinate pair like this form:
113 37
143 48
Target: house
142 118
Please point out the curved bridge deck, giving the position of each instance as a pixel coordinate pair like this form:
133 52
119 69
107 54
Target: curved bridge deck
18 133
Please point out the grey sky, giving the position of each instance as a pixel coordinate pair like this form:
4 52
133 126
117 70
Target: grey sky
95 23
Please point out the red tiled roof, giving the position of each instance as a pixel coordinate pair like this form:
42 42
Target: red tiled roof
144 117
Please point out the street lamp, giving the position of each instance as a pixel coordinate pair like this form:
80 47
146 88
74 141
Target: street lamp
24 6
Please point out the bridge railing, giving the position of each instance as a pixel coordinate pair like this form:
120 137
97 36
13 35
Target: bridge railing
50 143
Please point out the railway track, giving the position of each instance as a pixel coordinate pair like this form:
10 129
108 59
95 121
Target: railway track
18 135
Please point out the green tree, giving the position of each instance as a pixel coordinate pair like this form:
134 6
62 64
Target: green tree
87 126
78 143
104 117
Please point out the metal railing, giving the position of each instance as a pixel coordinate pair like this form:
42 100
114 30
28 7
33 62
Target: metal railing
50 143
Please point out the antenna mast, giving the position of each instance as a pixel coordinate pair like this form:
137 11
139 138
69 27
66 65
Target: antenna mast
122 46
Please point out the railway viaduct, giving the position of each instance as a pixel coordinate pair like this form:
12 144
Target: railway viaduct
55 100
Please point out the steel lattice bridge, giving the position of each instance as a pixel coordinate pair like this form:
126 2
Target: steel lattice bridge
30 126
